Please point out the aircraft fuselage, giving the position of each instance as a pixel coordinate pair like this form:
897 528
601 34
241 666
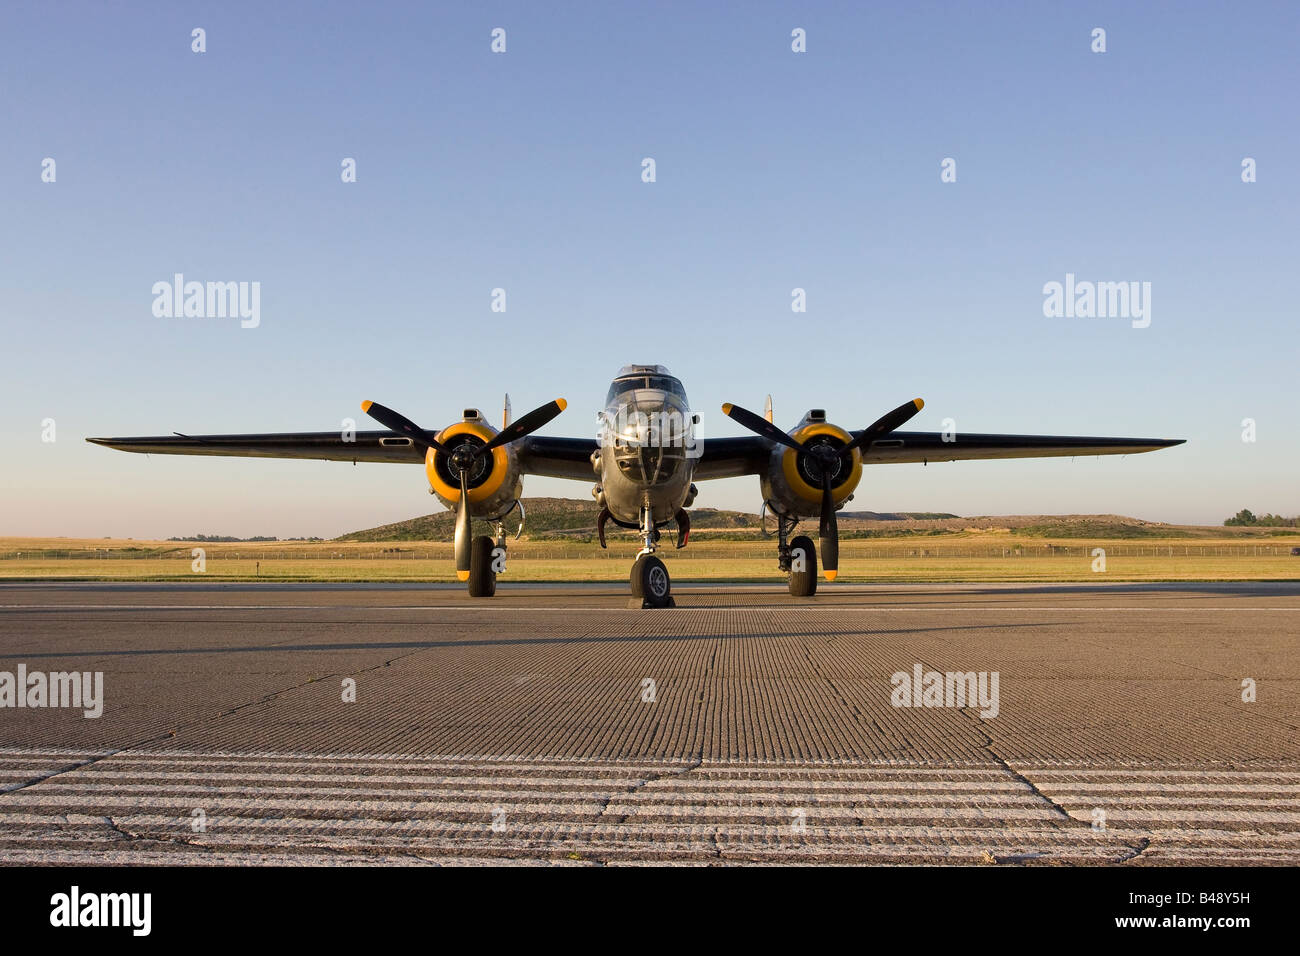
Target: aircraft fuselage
648 447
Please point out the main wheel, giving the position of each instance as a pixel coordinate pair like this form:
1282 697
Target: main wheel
482 579
650 581
803 554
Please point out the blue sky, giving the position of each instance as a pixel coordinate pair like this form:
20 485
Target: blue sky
522 171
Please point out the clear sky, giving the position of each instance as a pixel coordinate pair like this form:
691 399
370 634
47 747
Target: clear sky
523 171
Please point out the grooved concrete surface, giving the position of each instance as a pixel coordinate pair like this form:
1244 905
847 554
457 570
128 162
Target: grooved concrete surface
519 729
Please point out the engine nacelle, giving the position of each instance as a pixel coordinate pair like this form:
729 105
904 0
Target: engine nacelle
792 482
494 480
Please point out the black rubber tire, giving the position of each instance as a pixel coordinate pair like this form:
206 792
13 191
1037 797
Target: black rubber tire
482 579
803 583
650 581
634 577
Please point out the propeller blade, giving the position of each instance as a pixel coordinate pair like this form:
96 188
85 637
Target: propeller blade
525 425
462 529
756 423
829 531
884 425
400 423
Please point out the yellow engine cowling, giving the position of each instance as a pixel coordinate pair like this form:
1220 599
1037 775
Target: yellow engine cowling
790 489
494 486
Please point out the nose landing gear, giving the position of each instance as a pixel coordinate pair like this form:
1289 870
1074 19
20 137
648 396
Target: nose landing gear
650 582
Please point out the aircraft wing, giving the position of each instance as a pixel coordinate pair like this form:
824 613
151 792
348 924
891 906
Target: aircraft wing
571 457
553 457
558 457
733 457
748 455
326 446
967 446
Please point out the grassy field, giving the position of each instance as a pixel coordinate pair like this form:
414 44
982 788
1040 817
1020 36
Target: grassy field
995 556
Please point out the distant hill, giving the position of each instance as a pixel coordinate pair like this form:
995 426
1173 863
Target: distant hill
895 516
576 518
544 515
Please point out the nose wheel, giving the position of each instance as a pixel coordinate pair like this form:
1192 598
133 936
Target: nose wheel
650 582
651 586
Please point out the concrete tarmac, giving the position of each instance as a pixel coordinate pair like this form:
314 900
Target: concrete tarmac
404 724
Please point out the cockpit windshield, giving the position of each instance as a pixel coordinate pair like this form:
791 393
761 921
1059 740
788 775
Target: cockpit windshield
628 383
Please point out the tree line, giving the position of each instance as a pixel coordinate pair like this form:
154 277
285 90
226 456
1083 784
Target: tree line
1245 518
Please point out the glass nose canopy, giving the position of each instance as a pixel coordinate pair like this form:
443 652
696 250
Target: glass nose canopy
649 437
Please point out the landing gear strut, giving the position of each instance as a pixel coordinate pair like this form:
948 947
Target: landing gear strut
487 557
798 558
649 578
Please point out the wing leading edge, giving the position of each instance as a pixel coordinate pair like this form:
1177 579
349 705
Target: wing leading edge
571 457
900 447
733 457
322 446
553 457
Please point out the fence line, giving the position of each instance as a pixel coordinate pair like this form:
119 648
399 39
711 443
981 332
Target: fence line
848 549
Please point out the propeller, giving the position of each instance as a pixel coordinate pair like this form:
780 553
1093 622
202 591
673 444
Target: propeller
524 426
462 539
400 423
463 457
826 459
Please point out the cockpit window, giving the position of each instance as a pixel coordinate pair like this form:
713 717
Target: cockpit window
663 382
670 385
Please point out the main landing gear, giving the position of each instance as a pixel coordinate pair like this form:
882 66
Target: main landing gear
797 557
482 578
487 557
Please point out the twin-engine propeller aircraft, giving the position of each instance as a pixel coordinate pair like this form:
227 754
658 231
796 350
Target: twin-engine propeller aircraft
645 462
